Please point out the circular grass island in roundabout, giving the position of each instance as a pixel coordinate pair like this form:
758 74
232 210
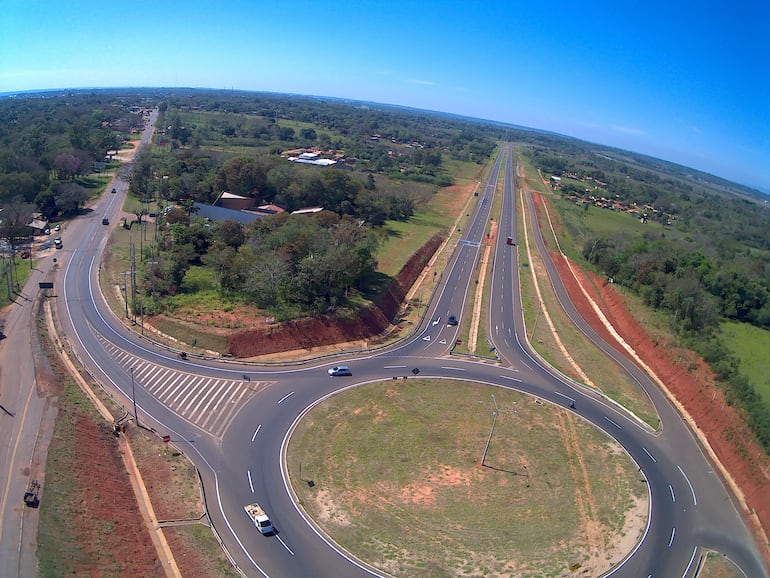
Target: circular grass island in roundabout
393 473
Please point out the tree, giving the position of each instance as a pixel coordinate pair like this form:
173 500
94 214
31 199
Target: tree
141 174
15 217
230 233
69 196
177 215
308 134
46 203
66 166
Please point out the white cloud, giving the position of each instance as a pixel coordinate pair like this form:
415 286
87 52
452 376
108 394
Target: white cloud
626 130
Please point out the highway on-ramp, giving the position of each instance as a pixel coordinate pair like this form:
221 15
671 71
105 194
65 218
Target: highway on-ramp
233 419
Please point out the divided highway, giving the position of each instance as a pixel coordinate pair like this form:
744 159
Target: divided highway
233 419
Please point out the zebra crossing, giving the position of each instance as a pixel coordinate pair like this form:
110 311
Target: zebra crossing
208 402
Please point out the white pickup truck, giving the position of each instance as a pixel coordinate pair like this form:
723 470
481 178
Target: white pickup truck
260 519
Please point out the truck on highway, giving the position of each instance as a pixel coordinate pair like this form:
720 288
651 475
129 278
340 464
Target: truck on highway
260 519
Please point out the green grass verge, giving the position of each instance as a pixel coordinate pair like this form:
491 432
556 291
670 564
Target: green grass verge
718 566
397 480
20 273
750 345
401 239
606 375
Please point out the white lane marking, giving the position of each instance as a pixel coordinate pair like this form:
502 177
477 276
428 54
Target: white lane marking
170 388
284 545
644 449
160 381
195 386
673 533
250 484
189 380
511 378
394 367
692 559
612 422
214 411
568 398
453 368
426 338
673 498
209 397
436 321
686 479
285 397
256 431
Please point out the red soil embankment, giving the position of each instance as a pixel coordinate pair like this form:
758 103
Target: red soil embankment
687 379
312 332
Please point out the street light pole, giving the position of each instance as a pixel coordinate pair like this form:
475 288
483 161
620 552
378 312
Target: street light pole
125 290
133 397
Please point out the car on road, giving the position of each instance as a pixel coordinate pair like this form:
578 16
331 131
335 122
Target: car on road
451 320
114 190
57 228
339 370
105 221
57 243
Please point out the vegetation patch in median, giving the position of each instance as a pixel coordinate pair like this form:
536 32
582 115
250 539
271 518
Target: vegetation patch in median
393 472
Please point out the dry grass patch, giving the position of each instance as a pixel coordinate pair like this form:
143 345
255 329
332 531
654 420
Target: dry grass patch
398 481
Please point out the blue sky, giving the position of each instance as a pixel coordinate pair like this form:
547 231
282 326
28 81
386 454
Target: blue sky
683 81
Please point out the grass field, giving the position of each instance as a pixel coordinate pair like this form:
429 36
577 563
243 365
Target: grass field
20 274
401 239
605 374
398 481
750 344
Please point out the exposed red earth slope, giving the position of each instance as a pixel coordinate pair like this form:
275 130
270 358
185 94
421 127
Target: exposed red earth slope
689 381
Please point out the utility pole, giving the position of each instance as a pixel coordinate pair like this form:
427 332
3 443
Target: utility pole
133 282
491 431
7 279
125 290
133 397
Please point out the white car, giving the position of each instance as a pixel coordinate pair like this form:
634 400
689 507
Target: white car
339 370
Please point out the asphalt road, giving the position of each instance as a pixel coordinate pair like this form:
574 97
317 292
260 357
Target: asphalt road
24 430
232 420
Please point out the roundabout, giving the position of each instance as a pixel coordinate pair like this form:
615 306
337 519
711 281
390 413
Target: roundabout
459 478
232 420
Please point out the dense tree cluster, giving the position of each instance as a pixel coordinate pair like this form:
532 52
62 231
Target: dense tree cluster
398 142
49 140
676 277
283 263
200 176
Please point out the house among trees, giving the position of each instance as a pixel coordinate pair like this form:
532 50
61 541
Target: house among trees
232 207
215 213
38 224
312 158
307 211
235 202
555 182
